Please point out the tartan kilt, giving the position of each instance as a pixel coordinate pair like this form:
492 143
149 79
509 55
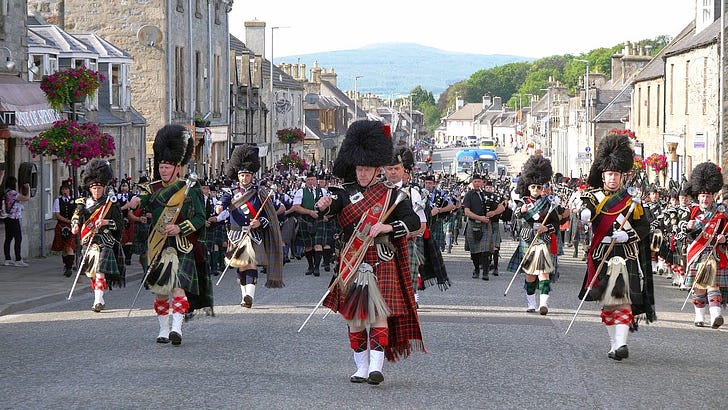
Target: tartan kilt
192 274
289 228
219 233
437 231
141 235
109 265
396 288
491 237
517 256
415 248
59 244
311 232
721 276
127 233
329 228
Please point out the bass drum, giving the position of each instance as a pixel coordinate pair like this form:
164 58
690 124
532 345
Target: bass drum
656 241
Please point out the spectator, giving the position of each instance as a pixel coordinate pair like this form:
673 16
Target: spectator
12 201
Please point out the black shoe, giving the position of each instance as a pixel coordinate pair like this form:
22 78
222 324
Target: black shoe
68 272
286 260
316 272
327 268
98 307
309 271
476 274
248 301
127 262
718 322
543 310
613 355
699 324
621 353
375 378
162 340
494 272
175 338
530 310
357 379
485 276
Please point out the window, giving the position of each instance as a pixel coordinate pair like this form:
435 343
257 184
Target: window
657 100
217 13
180 6
705 85
647 105
36 63
179 79
672 89
198 8
115 83
687 86
199 81
49 181
639 106
217 85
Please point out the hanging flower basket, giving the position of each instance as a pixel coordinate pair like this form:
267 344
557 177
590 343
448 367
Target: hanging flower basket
73 143
290 135
619 132
639 163
69 86
293 160
657 162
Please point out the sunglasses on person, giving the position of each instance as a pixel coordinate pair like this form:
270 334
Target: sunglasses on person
535 186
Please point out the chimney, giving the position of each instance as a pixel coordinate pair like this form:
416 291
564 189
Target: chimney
316 73
497 103
255 37
329 76
486 101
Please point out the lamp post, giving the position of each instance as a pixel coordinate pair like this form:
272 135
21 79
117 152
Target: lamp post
356 97
586 101
548 115
269 157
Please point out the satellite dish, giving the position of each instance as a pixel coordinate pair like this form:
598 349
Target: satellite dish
311 98
149 35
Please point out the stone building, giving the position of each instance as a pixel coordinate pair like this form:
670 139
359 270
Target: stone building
180 50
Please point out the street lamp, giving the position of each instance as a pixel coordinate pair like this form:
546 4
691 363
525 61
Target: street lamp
356 96
548 115
586 101
269 157
9 61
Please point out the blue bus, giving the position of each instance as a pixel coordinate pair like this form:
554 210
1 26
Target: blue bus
486 163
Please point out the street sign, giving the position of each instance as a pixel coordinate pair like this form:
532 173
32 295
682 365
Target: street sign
7 117
587 149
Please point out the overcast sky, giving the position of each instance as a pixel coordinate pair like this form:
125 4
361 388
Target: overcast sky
529 28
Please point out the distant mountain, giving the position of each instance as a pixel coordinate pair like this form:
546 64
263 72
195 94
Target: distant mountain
397 68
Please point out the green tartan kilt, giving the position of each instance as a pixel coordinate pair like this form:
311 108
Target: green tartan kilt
141 236
109 265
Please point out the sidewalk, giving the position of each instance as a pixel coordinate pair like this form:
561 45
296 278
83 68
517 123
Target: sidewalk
42 283
515 161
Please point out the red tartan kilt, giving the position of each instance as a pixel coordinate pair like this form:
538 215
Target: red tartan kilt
127 234
59 244
393 286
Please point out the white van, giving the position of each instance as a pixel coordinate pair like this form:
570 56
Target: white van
472 140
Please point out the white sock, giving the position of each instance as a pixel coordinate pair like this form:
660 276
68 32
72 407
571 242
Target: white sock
611 330
163 325
250 290
376 360
177 319
361 359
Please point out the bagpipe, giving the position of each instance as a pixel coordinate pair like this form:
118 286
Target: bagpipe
636 199
162 278
554 202
355 276
88 231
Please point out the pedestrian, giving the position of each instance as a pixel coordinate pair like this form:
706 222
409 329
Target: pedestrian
617 248
311 226
13 207
479 207
98 220
387 307
255 233
141 220
177 257
706 230
123 196
538 244
63 241
439 206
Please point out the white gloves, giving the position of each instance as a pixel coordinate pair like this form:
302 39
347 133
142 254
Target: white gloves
618 236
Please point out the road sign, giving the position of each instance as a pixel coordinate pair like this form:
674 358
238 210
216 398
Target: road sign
587 149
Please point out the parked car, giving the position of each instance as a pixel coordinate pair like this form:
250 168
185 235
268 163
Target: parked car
487 143
472 140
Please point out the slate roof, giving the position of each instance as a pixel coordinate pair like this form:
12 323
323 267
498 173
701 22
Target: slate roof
691 41
281 80
656 67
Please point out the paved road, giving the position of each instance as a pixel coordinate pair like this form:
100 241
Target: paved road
484 351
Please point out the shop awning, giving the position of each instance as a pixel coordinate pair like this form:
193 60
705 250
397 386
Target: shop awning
32 111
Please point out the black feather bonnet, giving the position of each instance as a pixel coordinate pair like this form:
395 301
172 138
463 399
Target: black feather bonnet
172 145
536 170
706 179
404 156
243 159
98 172
615 153
366 143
